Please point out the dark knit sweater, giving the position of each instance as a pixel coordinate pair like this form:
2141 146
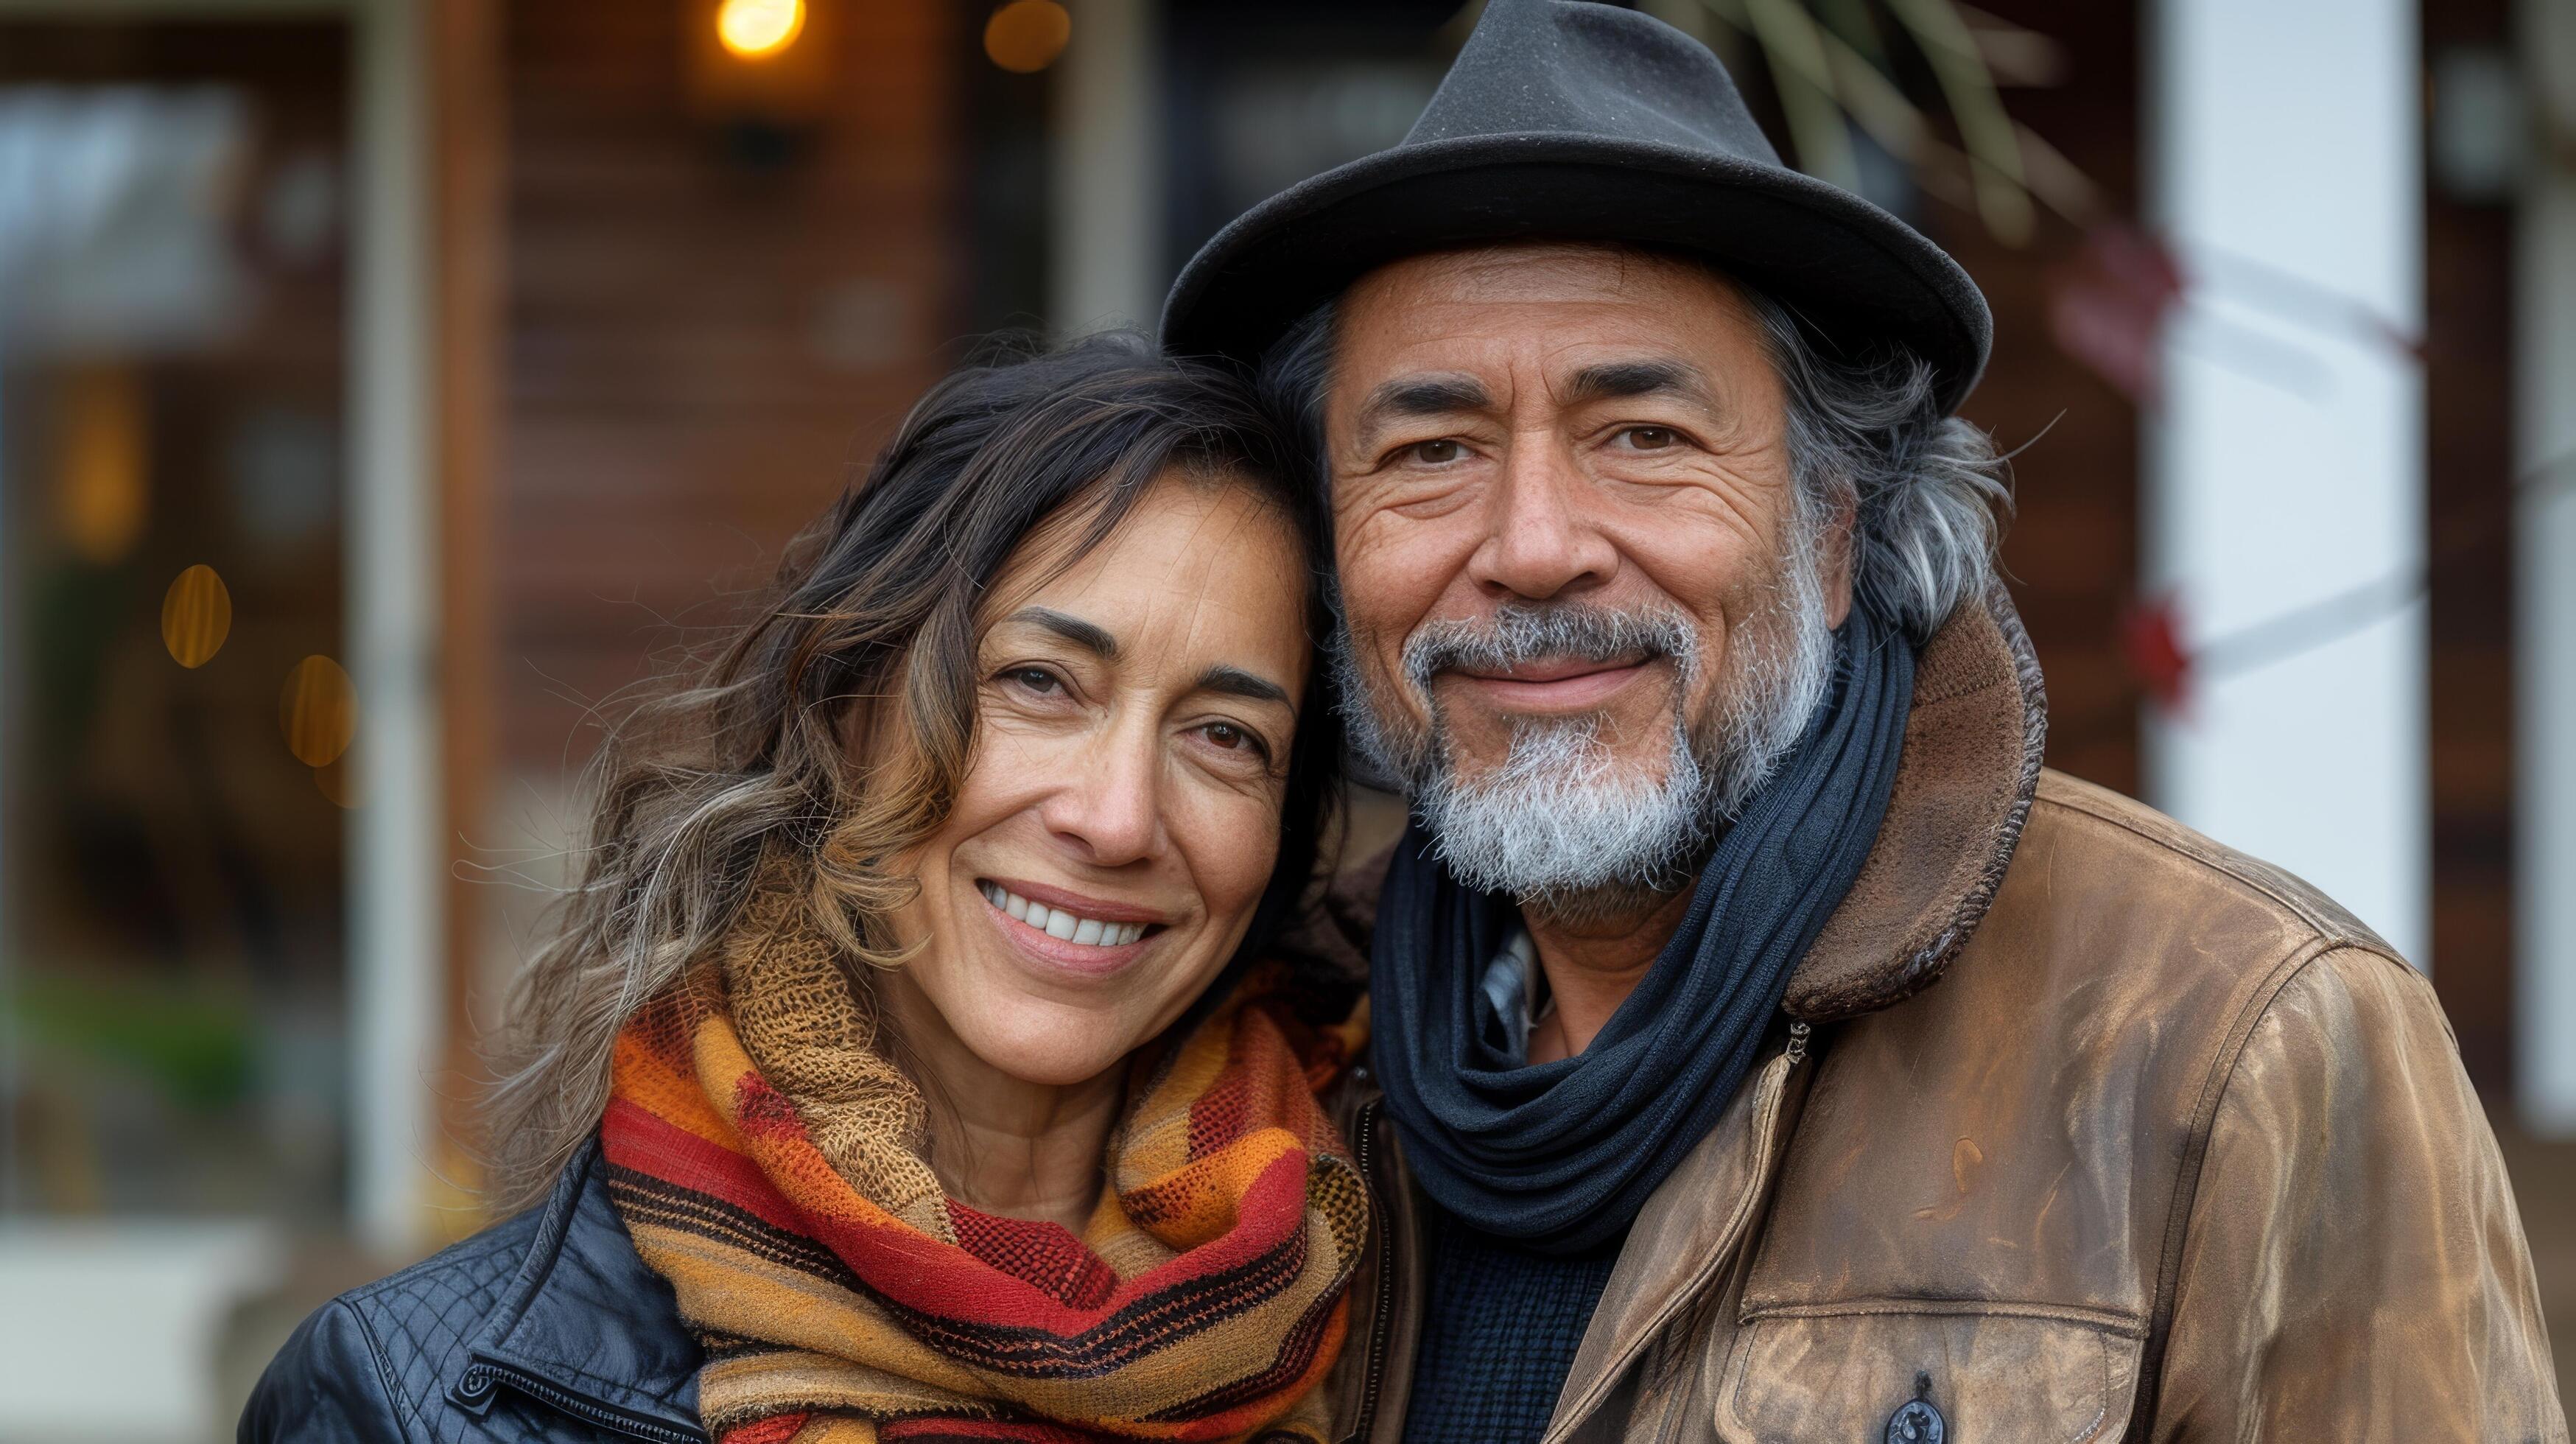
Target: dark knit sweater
1499 1331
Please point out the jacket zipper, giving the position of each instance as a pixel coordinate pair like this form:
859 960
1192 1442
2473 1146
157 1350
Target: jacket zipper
482 1377
1381 1322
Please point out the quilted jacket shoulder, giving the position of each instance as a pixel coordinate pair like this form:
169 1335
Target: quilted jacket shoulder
546 1326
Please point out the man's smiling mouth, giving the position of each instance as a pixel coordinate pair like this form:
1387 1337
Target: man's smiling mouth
1556 684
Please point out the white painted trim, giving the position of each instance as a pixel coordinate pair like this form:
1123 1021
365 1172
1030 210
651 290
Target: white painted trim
112 1329
390 549
2286 464
397 918
1106 222
2545 612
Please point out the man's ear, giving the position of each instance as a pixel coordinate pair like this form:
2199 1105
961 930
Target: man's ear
1838 564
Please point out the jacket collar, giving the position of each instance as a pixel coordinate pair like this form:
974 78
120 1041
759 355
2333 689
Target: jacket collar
585 1327
1964 782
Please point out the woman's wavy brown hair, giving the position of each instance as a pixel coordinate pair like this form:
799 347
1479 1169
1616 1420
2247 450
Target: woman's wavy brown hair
874 622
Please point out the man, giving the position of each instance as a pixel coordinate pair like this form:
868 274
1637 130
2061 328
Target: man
1770 1047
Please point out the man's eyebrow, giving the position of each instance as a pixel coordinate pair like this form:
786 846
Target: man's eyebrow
1236 682
1419 396
1089 636
1615 379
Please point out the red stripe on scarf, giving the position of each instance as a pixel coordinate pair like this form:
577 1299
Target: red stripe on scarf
633 1139
940 1280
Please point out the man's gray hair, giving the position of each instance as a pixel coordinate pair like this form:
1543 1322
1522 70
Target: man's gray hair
1865 435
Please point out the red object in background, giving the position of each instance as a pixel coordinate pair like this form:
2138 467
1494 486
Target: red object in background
2151 643
2109 303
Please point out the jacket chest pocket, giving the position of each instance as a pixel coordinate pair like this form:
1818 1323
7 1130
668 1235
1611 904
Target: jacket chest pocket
1910 1376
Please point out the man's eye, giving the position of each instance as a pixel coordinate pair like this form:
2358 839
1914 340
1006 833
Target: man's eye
1437 453
1650 438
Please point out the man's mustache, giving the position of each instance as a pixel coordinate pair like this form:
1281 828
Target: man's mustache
1519 635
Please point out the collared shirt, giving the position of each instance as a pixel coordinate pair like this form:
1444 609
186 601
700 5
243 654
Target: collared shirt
1516 996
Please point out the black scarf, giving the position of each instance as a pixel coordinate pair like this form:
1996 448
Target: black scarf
1562 1155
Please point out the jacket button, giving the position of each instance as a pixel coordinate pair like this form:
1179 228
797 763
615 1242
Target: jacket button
1916 1421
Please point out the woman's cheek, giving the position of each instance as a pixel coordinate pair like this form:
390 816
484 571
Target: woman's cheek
1231 843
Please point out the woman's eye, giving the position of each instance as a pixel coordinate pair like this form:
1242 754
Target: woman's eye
1650 438
1437 453
1036 679
1230 738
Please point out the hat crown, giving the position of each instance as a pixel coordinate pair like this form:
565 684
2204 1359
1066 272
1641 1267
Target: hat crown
1577 68
1571 121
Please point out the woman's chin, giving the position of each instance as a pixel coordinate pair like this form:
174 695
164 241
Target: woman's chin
1053 1050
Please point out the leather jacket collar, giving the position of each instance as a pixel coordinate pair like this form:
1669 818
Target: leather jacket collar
1964 784
585 1327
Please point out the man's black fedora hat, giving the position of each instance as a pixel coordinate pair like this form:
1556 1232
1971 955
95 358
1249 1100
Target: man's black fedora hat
1569 120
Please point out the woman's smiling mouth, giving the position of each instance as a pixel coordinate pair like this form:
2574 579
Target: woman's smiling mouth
1081 928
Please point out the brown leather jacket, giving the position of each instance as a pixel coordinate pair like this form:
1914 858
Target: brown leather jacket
2176 1150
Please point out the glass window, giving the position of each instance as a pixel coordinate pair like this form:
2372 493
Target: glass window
172 751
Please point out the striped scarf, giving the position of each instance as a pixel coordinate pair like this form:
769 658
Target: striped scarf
767 1161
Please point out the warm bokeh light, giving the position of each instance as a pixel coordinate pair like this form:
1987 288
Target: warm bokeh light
196 616
338 780
318 711
1026 36
101 492
756 28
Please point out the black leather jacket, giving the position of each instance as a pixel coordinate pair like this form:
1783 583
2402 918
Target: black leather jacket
545 1327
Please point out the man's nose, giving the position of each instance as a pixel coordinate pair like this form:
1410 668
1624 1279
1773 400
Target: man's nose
1109 810
1539 543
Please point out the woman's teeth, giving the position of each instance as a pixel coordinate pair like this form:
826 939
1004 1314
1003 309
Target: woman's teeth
1057 923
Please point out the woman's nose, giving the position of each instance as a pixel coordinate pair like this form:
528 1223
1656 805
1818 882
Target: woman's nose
1109 808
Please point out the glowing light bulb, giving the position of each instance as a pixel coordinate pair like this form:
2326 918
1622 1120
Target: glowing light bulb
756 29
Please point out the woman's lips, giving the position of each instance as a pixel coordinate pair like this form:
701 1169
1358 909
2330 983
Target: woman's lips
1554 687
1107 910
1075 934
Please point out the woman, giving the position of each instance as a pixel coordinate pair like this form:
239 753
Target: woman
896 1073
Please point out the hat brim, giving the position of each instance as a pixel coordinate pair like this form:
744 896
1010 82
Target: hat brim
1860 275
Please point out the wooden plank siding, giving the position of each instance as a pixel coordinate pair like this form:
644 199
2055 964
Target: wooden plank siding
698 346
2072 553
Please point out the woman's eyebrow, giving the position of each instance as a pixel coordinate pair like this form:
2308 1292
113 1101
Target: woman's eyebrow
1090 636
1236 682
1222 678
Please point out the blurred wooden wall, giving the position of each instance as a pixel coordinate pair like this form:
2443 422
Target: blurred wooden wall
666 339
704 329
2072 553
2469 428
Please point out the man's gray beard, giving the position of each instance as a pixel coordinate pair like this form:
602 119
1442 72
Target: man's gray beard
1560 826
